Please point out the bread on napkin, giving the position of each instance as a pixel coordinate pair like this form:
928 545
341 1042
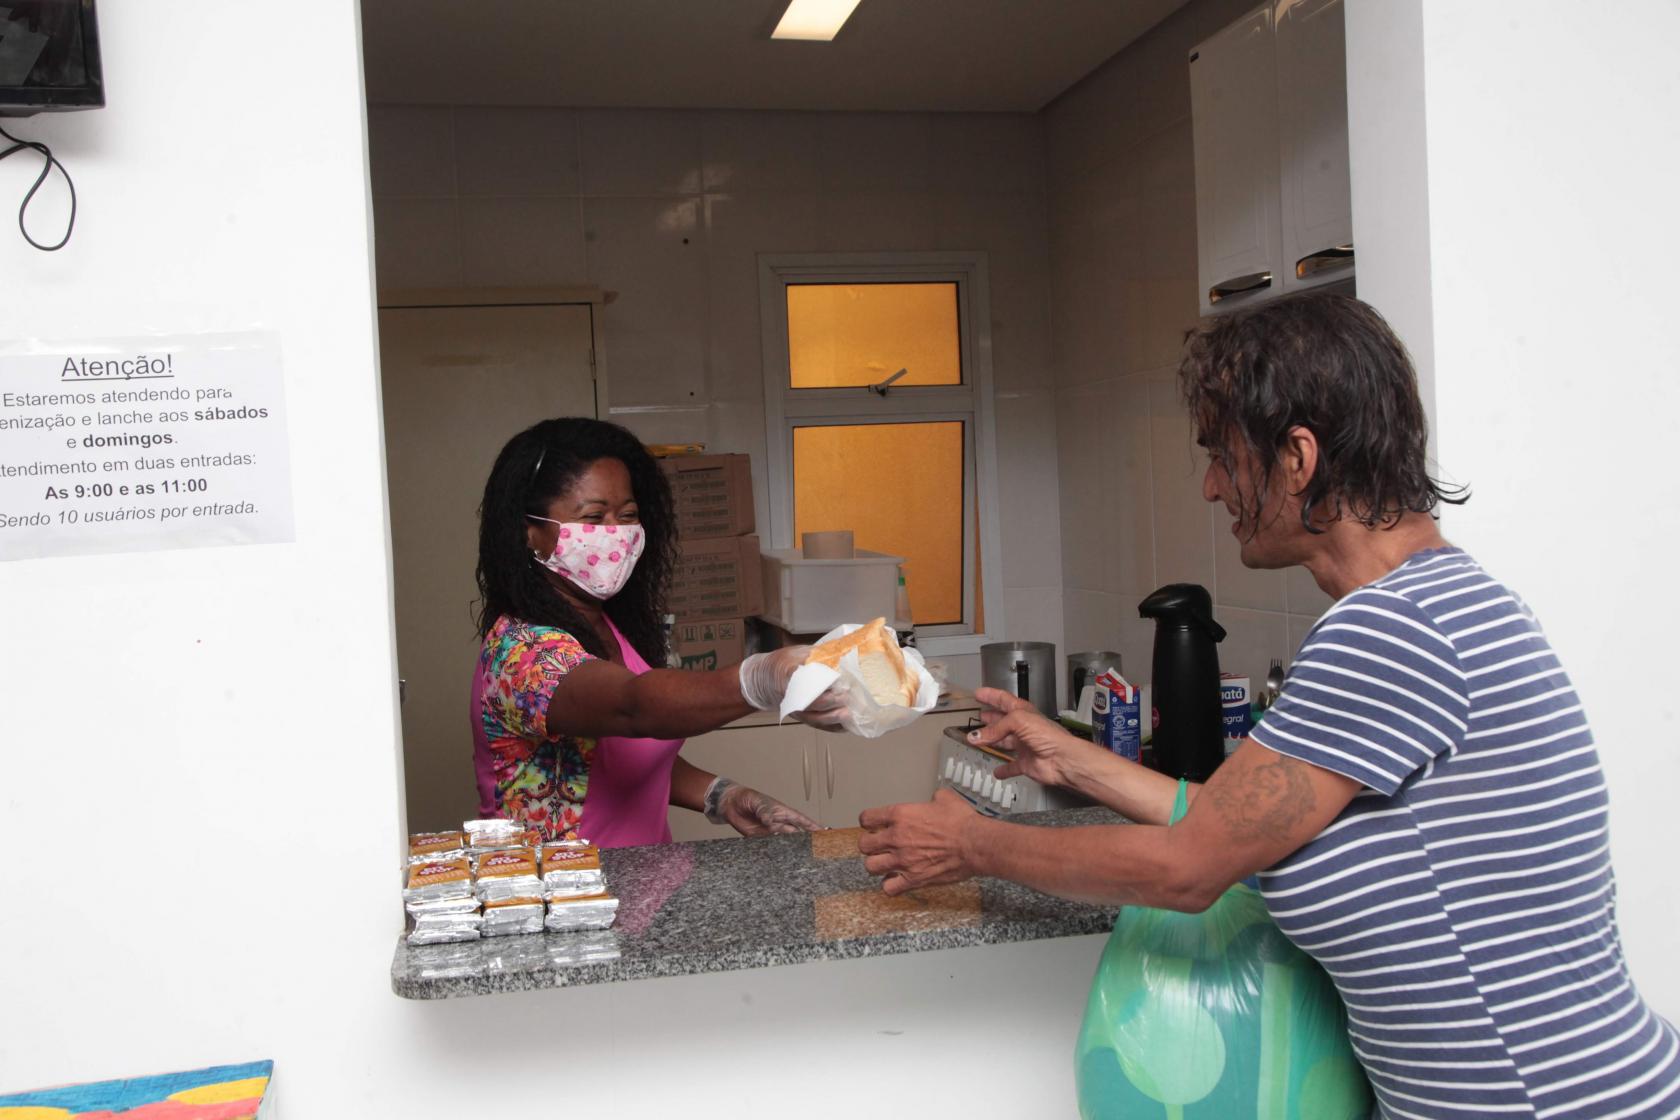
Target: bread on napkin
880 663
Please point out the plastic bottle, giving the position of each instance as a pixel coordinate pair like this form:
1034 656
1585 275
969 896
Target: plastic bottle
903 620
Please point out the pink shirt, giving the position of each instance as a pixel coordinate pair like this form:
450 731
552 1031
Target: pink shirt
627 787
629 781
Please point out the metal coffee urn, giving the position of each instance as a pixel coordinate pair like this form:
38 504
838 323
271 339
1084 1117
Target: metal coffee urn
1028 669
1189 732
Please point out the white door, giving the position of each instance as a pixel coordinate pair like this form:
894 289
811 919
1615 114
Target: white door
1233 104
1313 131
458 383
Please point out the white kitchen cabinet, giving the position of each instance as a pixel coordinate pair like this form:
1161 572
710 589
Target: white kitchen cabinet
1233 105
829 777
859 774
1316 197
1269 109
776 760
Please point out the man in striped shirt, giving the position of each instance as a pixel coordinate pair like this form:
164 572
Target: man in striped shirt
1424 803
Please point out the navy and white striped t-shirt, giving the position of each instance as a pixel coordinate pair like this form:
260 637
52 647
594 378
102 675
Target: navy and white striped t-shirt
1463 903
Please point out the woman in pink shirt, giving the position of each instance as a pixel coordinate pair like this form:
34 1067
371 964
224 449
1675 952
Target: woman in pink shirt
574 732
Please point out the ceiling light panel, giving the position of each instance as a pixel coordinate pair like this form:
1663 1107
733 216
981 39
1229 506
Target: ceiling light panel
813 20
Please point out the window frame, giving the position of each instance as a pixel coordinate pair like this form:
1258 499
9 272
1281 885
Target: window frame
786 408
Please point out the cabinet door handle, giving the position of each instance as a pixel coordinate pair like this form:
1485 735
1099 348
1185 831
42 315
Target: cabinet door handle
805 767
1337 256
828 758
1236 285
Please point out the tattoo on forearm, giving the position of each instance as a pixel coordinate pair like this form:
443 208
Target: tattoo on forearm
1266 801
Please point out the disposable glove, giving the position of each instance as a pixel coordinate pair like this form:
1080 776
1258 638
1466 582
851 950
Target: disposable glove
827 712
752 813
765 676
764 681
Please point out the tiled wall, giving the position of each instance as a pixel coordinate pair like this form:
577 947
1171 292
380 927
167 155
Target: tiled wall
1123 284
670 209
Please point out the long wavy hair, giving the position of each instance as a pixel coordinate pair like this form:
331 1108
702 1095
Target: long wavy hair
1328 363
537 466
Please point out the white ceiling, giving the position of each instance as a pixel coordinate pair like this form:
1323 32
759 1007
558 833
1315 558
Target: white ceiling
922 55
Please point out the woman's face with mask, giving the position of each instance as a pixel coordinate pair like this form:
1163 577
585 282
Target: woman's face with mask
591 535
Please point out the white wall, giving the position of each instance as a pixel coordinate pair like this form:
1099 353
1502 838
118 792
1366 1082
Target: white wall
671 208
1548 159
198 745
1123 278
1517 226
198 773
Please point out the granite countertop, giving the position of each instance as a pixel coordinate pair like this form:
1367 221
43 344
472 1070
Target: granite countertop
720 905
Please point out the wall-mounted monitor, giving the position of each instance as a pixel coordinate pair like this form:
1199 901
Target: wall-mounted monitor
49 57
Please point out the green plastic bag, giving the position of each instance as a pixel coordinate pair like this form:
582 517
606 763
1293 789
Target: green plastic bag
1214 1015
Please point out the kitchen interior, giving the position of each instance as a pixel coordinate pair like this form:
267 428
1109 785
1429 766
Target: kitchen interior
219 192
642 186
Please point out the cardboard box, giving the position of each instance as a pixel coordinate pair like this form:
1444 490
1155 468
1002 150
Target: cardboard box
713 494
717 577
710 643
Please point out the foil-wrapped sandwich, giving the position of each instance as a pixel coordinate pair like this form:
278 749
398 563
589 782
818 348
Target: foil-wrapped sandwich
513 915
438 879
425 847
495 834
591 911
443 920
436 906
570 870
510 873
441 931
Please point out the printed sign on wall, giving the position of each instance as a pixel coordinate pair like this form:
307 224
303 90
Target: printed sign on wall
139 445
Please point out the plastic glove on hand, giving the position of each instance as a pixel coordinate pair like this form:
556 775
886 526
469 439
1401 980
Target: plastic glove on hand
829 711
765 676
752 813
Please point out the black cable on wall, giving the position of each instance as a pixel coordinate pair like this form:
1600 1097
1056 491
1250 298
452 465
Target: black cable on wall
50 162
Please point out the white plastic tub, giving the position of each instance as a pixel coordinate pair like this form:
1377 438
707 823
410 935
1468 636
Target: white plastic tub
814 596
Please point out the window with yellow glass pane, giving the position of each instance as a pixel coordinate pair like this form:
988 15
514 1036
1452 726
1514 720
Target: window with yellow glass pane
908 470
847 335
899 489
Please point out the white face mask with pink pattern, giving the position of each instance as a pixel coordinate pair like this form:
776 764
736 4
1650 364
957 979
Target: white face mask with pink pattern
597 558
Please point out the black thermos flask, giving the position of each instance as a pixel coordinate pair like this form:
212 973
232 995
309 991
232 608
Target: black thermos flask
1189 731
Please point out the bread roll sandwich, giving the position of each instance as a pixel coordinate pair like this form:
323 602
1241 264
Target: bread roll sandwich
881 664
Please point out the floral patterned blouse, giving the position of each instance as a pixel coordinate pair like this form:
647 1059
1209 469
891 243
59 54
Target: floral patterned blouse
522 773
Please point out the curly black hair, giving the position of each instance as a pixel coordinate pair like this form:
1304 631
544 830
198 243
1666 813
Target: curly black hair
536 467
1328 363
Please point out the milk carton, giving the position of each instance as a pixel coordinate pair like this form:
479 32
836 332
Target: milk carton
1236 701
1115 720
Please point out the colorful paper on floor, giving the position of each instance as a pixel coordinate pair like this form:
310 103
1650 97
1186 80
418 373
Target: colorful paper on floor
218 1093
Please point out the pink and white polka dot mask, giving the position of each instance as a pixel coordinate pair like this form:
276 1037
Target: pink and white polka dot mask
598 558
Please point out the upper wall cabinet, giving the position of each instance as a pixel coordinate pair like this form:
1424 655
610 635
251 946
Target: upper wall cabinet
1269 103
1313 143
1238 235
